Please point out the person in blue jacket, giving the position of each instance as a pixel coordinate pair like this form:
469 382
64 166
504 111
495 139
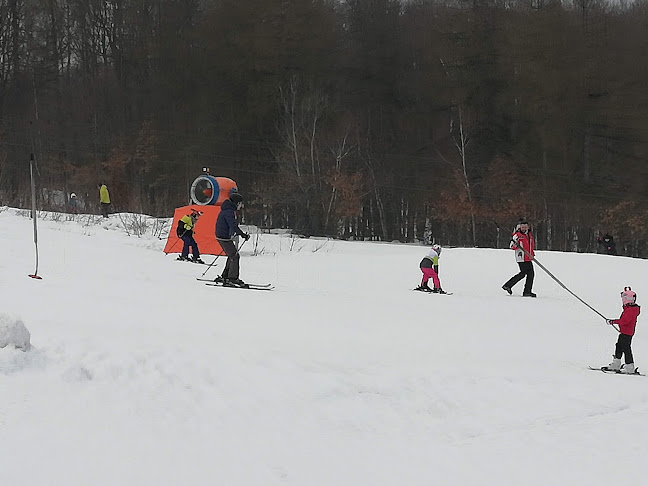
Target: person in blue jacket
226 229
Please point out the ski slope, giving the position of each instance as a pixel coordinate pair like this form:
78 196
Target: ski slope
141 375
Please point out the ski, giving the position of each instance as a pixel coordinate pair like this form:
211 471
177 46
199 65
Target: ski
219 281
605 369
430 292
248 286
190 261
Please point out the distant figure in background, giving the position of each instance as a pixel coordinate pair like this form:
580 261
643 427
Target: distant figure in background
430 268
226 229
104 199
185 232
627 323
607 244
74 204
523 243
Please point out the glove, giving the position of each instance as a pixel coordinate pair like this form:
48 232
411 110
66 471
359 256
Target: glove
609 322
245 236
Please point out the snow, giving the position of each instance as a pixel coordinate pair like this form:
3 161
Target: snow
13 333
138 374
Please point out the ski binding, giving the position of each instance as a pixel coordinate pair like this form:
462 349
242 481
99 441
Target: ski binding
247 286
605 369
418 289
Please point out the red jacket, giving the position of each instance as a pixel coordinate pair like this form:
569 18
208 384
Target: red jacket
526 241
628 319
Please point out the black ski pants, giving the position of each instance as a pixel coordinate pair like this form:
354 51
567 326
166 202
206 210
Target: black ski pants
233 257
623 347
526 270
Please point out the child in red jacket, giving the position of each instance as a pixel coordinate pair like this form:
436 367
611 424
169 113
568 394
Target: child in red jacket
627 323
523 243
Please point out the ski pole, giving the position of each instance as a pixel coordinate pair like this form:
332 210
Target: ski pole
177 241
173 246
560 283
214 261
238 249
219 239
210 265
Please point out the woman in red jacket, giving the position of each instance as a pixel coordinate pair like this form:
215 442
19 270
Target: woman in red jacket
627 323
522 239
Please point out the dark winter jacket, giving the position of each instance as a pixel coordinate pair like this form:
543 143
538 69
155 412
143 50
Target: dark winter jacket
628 319
185 226
226 225
607 244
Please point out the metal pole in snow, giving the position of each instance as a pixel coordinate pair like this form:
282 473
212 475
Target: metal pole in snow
34 214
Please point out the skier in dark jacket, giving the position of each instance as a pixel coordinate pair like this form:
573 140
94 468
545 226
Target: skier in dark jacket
226 229
607 244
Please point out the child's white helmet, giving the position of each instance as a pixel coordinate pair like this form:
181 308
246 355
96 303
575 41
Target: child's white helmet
437 248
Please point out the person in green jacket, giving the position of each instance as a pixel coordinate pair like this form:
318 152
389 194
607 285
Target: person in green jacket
185 231
104 199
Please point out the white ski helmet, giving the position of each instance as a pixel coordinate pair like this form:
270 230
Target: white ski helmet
437 248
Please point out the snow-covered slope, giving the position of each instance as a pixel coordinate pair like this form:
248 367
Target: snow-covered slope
141 375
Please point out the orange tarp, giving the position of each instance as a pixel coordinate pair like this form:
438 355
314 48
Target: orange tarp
204 232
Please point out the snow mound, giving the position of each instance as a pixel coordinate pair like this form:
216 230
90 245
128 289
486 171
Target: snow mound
13 332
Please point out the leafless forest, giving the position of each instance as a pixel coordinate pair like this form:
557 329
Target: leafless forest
372 119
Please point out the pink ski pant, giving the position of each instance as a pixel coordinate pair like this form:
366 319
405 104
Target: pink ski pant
429 273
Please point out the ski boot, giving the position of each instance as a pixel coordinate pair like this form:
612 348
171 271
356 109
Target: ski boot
508 289
183 258
197 260
529 294
615 365
235 282
424 288
629 369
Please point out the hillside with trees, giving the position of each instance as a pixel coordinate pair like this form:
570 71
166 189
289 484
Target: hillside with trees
362 119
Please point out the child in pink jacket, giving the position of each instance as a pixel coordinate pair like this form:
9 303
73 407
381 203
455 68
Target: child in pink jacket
627 323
